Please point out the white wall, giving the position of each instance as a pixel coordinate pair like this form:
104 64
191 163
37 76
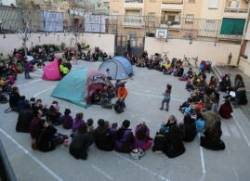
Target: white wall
8 2
105 42
204 50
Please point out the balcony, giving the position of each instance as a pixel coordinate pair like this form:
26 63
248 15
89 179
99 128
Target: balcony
230 12
174 5
170 24
172 1
133 4
133 21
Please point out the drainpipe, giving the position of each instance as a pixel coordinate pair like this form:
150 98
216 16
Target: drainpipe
244 33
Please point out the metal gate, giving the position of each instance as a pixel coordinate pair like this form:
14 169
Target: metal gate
132 45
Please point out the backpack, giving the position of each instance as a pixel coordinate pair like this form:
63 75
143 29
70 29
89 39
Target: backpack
137 153
118 107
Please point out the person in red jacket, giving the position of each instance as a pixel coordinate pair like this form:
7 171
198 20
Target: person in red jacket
226 110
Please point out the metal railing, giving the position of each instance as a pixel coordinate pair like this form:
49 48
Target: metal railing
6 171
235 10
133 1
172 1
12 21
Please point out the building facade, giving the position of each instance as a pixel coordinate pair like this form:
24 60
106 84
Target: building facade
220 19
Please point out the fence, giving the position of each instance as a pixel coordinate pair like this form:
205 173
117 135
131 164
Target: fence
14 20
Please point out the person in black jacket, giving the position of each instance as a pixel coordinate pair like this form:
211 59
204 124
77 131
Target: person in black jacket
174 146
188 128
48 138
24 119
14 98
104 136
80 143
212 138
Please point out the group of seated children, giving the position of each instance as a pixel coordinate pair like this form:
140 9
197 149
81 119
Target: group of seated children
236 92
38 120
157 62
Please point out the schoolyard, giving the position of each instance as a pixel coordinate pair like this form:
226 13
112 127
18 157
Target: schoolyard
143 103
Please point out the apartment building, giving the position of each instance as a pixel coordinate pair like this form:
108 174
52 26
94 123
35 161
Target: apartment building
223 19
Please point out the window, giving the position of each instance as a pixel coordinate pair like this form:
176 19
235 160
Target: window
189 19
191 1
210 26
213 4
232 26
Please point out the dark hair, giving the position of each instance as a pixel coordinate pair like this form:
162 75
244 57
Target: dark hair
90 122
54 102
126 123
32 99
79 115
101 122
238 77
67 111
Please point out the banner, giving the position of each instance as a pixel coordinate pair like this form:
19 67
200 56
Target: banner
52 21
95 23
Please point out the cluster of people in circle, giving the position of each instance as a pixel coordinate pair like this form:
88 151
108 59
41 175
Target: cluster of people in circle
202 113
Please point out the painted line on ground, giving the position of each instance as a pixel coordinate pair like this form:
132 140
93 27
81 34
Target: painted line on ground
242 132
160 177
202 177
43 91
234 130
53 174
202 159
99 170
28 83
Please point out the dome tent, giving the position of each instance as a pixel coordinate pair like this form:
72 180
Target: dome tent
72 87
118 68
79 85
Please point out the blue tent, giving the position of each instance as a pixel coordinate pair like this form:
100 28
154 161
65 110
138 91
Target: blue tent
72 87
118 68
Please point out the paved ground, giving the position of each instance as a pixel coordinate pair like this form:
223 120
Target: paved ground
145 91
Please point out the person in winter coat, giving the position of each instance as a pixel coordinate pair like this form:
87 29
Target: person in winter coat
225 84
14 98
188 128
240 90
174 145
80 143
78 122
211 139
122 94
124 138
48 138
104 136
35 128
142 137
27 69
24 120
53 114
67 119
226 110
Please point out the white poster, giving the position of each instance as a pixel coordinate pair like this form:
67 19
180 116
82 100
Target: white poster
52 21
95 23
